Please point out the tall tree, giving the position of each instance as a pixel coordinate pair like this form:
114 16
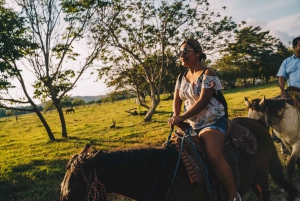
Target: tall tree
228 70
144 28
251 46
15 44
270 63
57 27
123 74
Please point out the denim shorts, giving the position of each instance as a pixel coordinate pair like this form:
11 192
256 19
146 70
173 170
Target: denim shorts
220 125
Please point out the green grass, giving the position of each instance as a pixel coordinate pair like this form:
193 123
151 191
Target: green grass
32 167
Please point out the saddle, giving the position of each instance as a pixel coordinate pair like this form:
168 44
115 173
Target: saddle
240 144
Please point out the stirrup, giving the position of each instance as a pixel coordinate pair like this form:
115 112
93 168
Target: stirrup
239 199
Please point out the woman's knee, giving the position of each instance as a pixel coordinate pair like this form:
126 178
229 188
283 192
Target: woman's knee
215 158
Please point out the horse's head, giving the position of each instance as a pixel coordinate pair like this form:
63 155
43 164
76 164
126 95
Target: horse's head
267 111
78 176
256 110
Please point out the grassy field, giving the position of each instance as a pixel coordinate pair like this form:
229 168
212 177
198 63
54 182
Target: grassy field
32 167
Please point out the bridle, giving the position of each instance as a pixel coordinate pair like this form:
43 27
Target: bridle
86 180
270 120
95 190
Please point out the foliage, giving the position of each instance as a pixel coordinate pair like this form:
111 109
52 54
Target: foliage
66 101
117 95
271 63
77 102
252 55
227 71
22 110
48 106
171 71
14 45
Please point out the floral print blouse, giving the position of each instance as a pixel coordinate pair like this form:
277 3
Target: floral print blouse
190 93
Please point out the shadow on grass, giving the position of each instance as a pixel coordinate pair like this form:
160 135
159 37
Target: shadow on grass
39 180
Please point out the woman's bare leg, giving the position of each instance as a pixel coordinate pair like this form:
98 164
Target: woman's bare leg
213 144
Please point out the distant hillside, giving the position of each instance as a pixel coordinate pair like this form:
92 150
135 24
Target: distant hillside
89 98
84 98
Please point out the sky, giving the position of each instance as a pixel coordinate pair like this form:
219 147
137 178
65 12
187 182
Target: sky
282 18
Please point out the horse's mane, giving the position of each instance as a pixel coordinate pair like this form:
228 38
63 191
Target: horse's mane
133 160
77 159
254 104
275 106
137 166
291 101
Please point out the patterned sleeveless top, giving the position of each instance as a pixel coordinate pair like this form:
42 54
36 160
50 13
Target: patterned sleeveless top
190 93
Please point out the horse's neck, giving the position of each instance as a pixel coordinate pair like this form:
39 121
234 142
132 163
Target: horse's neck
129 173
288 125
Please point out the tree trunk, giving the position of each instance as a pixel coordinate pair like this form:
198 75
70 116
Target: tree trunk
36 110
63 122
62 119
155 99
44 122
141 103
48 129
151 111
39 114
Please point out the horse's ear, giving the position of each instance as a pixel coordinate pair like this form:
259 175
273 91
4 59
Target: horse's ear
262 103
85 149
246 101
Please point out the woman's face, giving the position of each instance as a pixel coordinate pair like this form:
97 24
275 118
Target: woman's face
188 56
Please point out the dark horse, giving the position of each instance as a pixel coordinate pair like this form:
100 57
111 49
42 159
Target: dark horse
69 110
140 175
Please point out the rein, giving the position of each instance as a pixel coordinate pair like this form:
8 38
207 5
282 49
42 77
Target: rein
86 180
271 121
188 133
93 193
176 169
95 190
162 165
282 89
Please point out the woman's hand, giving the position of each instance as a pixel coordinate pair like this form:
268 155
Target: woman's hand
175 119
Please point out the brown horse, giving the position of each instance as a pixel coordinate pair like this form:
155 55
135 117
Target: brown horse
147 174
69 110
